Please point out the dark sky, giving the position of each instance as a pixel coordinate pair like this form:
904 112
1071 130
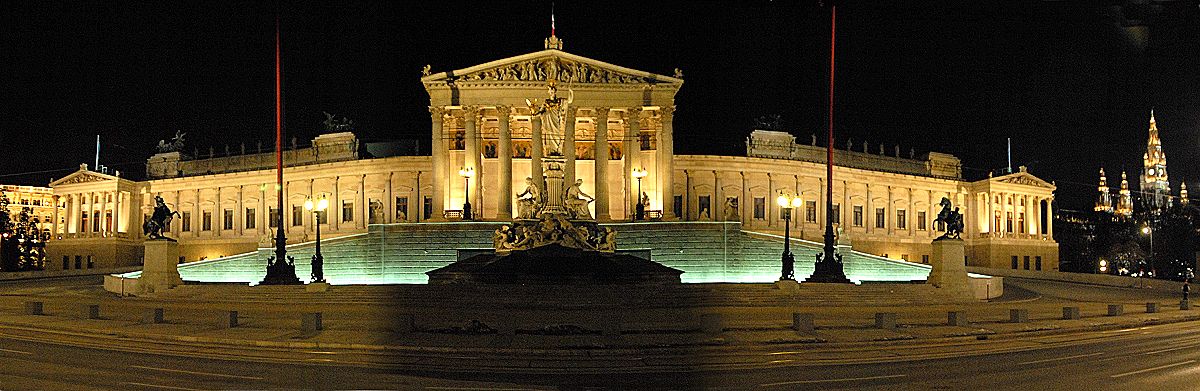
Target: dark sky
1070 82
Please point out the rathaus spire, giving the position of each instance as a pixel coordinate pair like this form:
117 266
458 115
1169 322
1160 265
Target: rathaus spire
1125 203
1104 202
1156 191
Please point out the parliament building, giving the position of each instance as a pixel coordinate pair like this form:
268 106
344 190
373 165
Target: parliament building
616 135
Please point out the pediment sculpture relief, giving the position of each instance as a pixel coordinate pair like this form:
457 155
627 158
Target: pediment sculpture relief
553 68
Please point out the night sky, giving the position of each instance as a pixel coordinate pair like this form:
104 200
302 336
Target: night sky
1071 82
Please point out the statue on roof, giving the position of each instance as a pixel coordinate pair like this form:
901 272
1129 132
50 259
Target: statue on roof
332 124
176 144
426 70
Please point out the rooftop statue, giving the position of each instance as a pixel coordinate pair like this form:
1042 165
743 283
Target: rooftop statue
332 124
176 144
952 218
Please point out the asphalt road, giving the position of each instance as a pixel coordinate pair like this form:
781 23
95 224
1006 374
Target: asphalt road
1165 357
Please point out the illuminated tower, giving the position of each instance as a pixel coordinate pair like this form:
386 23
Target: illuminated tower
1125 203
1183 200
1104 202
1156 191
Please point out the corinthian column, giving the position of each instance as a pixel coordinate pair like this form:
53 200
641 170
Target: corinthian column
632 118
535 157
504 152
470 117
438 150
568 147
666 161
600 150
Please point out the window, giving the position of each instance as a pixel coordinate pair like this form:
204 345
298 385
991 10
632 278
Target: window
297 215
901 219
227 220
704 205
677 205
760 208
90 263
904 257
66 262
273 217
187 221
79 262
96 221
810 211
1014 262
879 216
1026 262
347 211
858 215
1008 223
427 205
401 208
108 226
925 259
1021 222
837 214
1037 262
920 220
206 221
251 221
376 209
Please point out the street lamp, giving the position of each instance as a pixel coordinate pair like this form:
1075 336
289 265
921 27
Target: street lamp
786 203
318 263
640 209
467 173
1148 231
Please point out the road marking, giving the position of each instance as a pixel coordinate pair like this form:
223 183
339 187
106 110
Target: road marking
831 380
163 387
1153 369
1061 358
14 351
196 373
1171 349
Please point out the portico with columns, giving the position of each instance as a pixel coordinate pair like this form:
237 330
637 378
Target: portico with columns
617 119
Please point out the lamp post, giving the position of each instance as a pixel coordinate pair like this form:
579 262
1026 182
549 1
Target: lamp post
318 262
786 203
1147 230
640 209
467 173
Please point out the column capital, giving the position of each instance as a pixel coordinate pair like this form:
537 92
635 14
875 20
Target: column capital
470 112
503 111
633 112
437 111
601 110
667 112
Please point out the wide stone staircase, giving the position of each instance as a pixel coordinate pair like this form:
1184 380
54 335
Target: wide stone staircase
402 253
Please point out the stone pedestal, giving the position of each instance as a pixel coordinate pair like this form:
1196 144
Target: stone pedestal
949 272
161 270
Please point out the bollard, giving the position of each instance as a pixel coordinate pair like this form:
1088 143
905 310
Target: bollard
885 320
711 324
1151 308
310 322
89 311
803 322
233 319
1185 305
1070 313
153 315
957 318
33 308
1018 315
1116 309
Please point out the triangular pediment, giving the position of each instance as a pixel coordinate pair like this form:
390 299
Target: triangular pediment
82 176
545 65
1024 178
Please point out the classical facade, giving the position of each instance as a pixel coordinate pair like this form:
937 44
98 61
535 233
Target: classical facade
39 200
492 127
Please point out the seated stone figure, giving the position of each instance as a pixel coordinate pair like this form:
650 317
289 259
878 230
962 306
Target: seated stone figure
528 201
577 202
